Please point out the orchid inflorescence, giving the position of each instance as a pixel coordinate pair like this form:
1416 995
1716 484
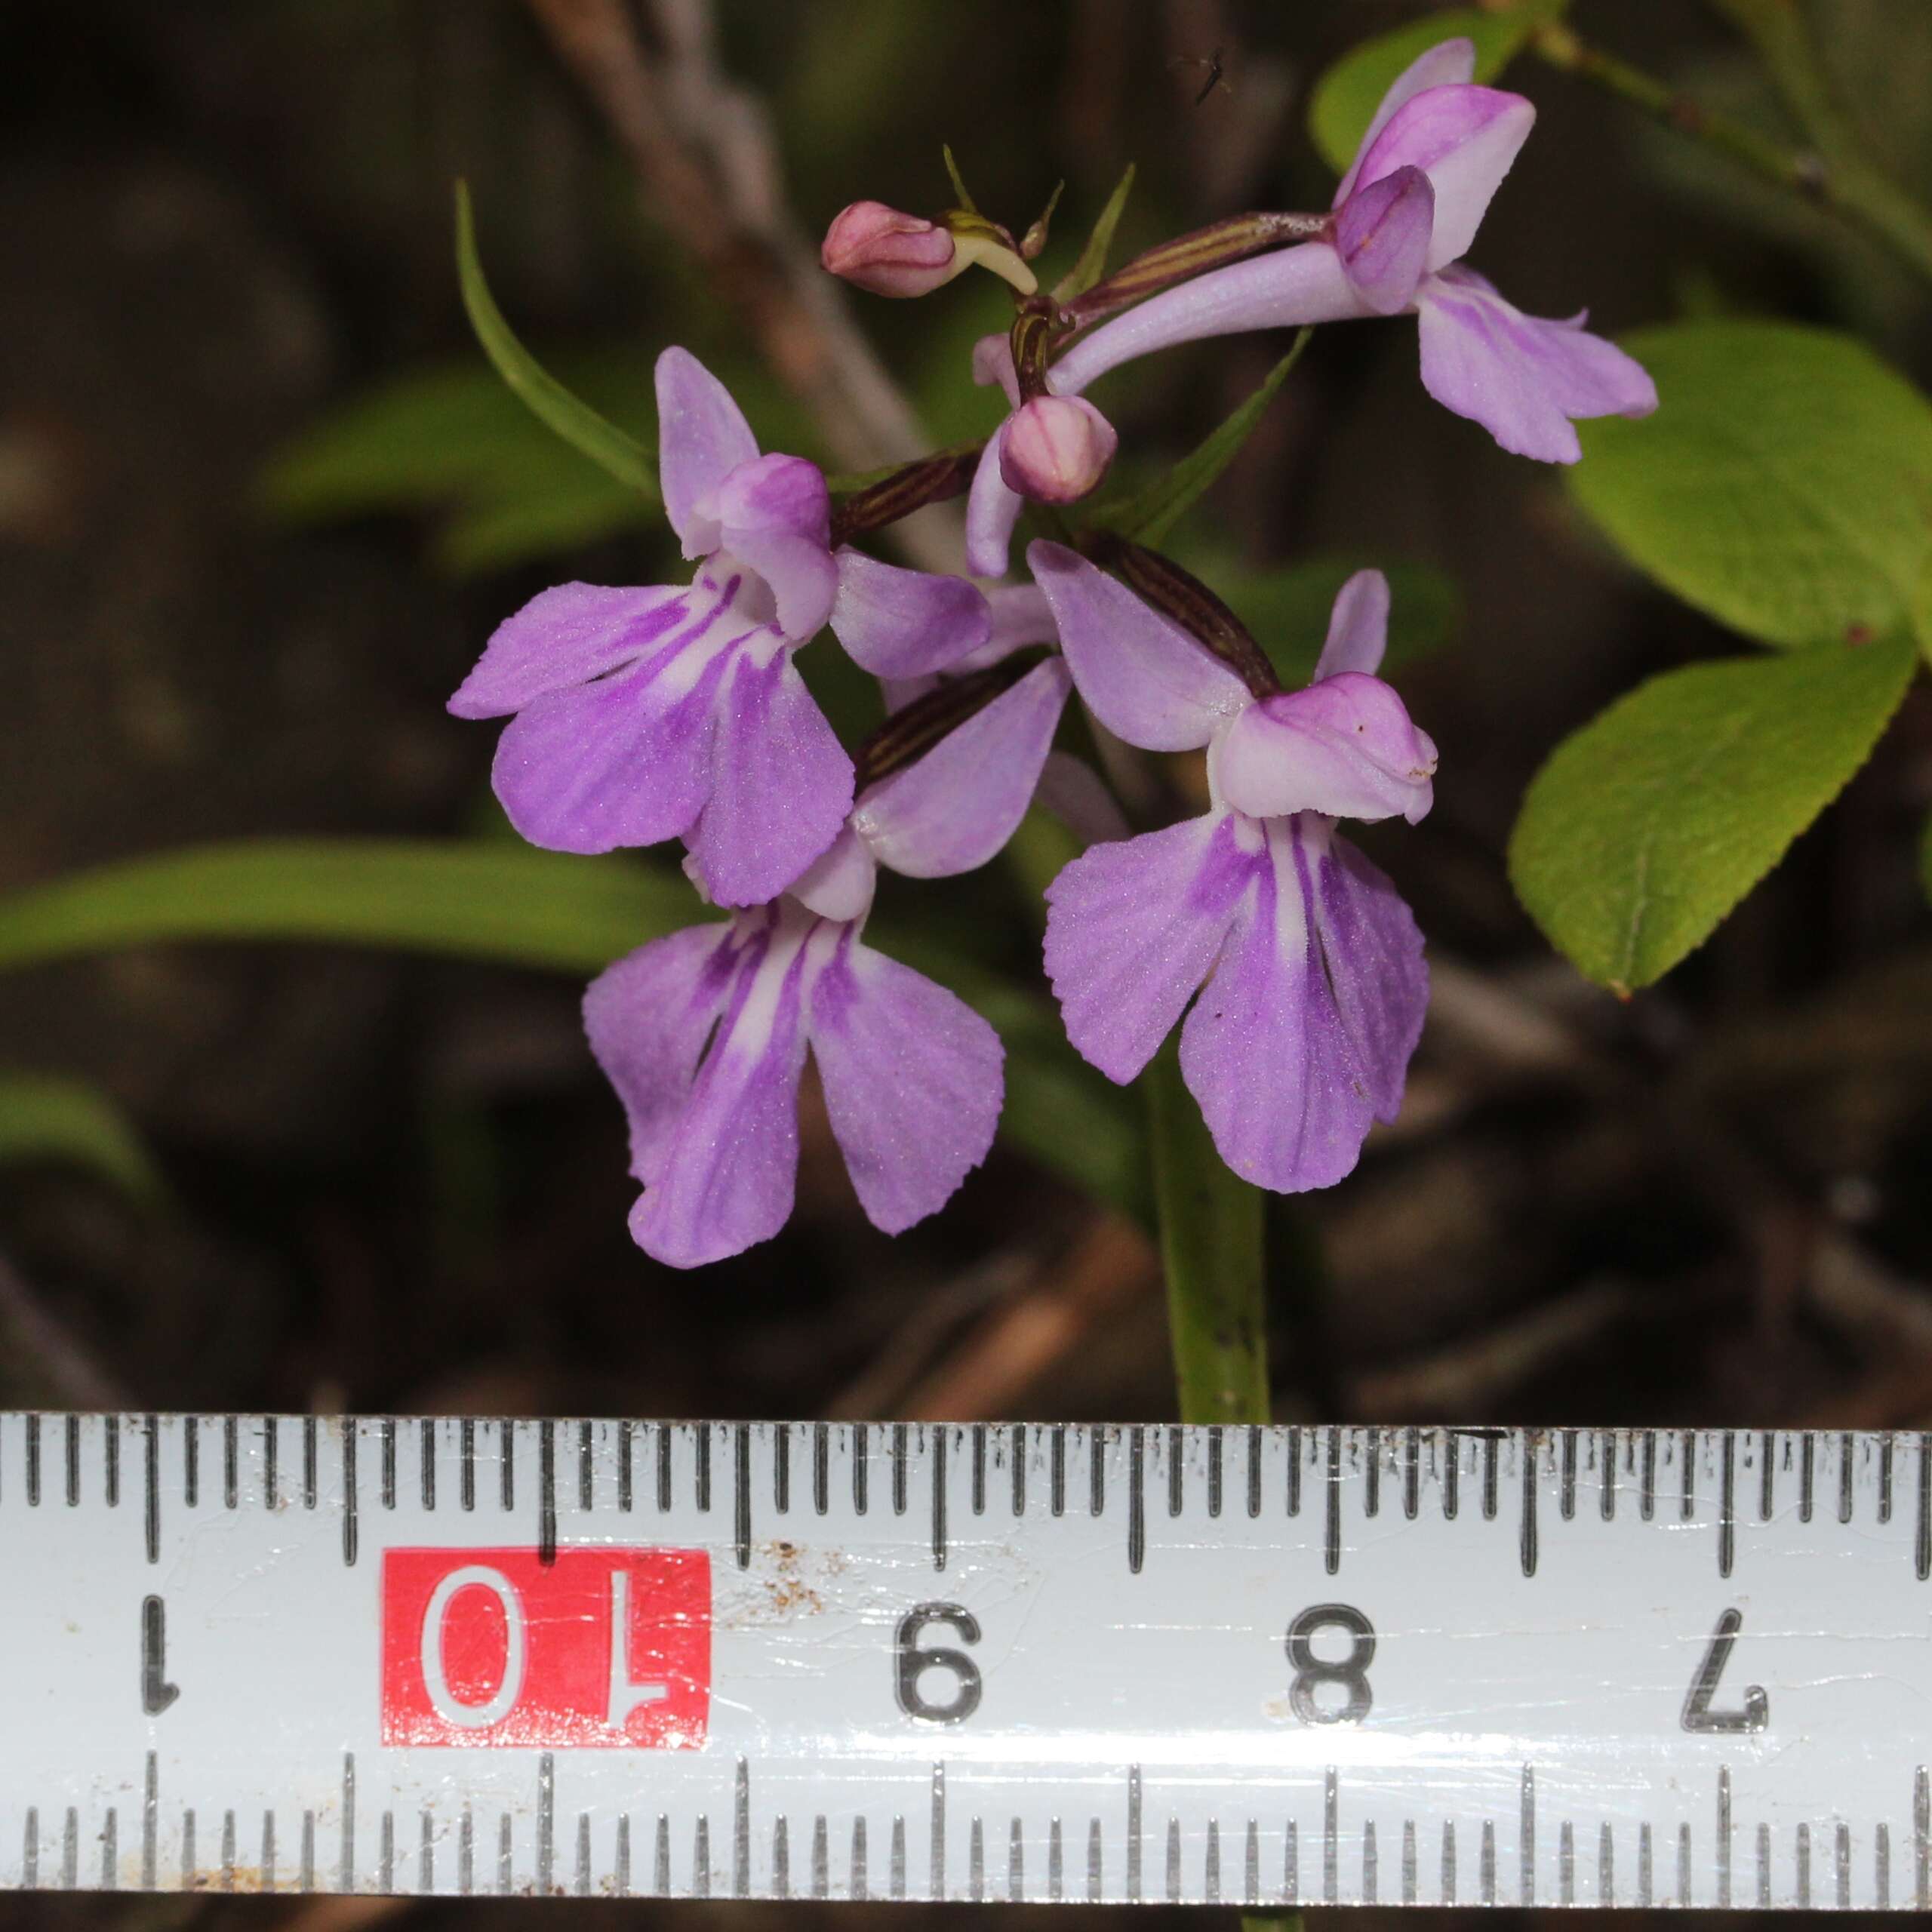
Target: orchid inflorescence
641 715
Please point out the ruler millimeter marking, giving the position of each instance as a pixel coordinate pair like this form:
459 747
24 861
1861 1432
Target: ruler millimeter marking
1260 1665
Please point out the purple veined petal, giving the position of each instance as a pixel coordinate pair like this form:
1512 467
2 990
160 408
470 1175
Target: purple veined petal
1281 290
1133 928
1464 139
702 437
565 636
647 1018
1448 63
1522 377
1077 796
992 508
1142 676
1382 234
1358 627
725 1172
1373 953
781 783
992 363
838 884
1346 747
954 808
626 760
1264 1052
900 623
912 1077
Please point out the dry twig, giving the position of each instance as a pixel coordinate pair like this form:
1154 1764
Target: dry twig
706 165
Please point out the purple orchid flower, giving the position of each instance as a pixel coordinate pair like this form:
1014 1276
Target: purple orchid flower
705 1034
1406 213
1309 968
638 715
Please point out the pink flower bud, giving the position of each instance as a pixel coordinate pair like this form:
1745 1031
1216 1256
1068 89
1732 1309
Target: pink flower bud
1056 448
889 252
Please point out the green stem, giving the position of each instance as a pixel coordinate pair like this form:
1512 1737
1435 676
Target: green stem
1211 1249
1777 29
1836 175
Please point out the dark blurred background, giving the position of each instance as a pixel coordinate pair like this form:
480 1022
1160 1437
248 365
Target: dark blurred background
261 501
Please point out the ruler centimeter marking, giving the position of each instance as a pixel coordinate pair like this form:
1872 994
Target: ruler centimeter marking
459 1655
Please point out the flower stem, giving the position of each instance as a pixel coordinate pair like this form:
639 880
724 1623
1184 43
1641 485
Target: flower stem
1211 1249
1835 176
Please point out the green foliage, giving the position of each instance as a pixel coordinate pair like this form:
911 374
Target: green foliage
574 420
458 898
1784 485
518 906
1091 264
48 1118
453 442
1346 96
1059 1112
1646 828
1147 515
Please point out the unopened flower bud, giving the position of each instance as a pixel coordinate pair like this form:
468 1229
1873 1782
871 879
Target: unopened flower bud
887 252
1056 448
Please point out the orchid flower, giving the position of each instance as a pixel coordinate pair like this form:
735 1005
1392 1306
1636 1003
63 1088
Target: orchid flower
639 715
1309 967
705 1034
1406 213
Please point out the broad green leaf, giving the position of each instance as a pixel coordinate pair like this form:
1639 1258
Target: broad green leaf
580 425
1147 515
1784 485
1646 828
1347 96
47 1117
455 898
1092 262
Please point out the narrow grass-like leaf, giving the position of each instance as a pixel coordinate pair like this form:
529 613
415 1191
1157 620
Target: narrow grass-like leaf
1645 829
1091 264
51 1118
573 420
460 898
1147 515
506 903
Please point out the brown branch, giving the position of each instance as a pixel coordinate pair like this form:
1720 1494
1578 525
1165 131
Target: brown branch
707 169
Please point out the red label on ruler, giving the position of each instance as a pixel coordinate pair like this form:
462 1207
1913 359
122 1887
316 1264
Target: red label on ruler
607 1647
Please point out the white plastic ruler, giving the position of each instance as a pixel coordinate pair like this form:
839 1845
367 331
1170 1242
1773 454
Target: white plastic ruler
935 1661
